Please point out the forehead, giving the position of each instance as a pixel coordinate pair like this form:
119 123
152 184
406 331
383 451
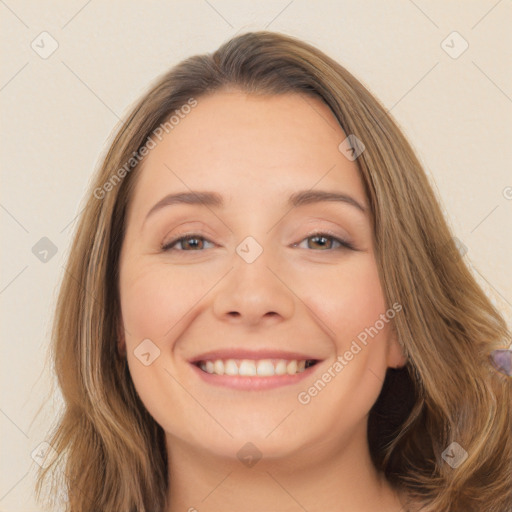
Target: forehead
259 146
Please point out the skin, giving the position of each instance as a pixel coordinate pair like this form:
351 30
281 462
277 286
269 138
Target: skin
312 298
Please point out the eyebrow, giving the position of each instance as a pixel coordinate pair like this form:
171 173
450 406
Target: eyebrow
214 200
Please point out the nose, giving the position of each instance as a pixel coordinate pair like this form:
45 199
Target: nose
252 293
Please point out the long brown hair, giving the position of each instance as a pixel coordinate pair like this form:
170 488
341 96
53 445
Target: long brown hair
112 453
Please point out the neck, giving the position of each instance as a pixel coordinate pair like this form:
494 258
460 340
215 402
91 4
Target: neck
318 478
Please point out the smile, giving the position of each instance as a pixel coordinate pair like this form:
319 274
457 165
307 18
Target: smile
255 368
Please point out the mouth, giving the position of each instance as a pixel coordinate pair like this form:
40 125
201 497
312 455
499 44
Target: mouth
246 371
255 368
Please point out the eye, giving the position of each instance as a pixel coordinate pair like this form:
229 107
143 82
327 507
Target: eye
323 238
184 241
196 242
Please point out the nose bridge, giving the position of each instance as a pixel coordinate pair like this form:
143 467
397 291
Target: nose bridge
254 289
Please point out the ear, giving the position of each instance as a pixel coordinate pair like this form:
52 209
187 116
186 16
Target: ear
396 357
121 341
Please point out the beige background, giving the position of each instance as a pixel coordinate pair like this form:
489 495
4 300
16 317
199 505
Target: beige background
57 113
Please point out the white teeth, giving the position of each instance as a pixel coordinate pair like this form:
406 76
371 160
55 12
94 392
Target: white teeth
247 368
230 368
281 367
265 368
218 367
251 368
291 368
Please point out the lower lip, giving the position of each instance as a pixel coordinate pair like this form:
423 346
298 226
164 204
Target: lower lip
253 383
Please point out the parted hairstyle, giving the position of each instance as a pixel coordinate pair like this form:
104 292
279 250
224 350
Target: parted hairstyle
111 452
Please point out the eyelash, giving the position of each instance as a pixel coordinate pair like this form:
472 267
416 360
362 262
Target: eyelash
344 245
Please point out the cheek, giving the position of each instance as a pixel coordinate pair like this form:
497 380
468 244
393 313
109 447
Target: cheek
347 300
155 298
351 306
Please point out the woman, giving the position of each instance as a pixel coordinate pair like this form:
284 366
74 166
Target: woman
264 308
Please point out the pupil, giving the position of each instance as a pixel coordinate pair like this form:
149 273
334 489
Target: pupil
193 244
322 240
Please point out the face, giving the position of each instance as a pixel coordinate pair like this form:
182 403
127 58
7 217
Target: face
255 313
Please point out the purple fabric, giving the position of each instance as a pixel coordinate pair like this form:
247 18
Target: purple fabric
502 360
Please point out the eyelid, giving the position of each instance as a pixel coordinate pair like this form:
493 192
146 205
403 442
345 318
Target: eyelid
165 246
345 244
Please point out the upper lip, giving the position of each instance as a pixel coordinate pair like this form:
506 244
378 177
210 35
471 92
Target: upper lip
232 353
